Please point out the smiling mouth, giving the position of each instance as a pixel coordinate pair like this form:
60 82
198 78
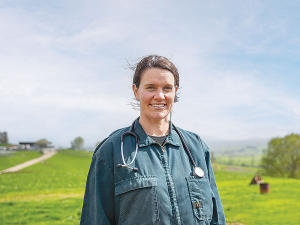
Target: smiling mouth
158 105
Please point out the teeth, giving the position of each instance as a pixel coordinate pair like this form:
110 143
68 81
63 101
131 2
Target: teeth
158 105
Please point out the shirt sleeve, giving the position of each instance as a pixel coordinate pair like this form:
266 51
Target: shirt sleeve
218 211
98 204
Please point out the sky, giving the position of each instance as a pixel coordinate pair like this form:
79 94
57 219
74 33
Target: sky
65 66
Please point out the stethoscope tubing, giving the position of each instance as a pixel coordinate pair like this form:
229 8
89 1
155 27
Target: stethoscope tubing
136 148
185 145
122 154
197 170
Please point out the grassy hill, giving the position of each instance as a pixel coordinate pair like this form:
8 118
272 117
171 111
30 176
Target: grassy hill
52 193
239 160
241 153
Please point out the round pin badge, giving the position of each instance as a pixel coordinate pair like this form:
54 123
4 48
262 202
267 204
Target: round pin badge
198 172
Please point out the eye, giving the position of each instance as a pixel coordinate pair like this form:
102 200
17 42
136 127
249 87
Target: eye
168 88
150 88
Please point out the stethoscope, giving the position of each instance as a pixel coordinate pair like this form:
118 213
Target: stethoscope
197 170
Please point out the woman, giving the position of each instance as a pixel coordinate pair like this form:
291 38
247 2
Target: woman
169 180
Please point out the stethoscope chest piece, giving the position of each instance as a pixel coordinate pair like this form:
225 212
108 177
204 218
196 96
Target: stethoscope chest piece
198 172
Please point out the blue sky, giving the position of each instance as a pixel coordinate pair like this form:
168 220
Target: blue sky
64 71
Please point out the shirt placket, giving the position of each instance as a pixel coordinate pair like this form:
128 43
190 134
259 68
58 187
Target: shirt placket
171 188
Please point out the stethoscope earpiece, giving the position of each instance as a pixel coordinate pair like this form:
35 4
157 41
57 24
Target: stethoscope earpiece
133 169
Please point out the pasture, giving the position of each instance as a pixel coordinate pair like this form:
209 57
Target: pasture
52 193
11 159
239 160
243 202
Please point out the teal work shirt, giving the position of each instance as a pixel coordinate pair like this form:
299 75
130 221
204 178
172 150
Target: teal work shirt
162 191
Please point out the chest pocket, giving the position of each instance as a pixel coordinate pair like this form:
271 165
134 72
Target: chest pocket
138 200
201 197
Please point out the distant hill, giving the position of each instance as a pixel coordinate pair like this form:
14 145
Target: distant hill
239 147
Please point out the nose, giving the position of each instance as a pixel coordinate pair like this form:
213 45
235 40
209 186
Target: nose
159 95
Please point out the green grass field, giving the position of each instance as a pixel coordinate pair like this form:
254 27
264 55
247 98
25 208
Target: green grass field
243 202
239 160
45 193
12 159
52 193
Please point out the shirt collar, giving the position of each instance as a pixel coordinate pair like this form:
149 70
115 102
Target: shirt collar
145 140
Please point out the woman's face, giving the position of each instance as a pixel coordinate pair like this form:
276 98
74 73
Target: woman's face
156 94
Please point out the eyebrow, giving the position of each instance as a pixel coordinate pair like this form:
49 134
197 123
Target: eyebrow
156 84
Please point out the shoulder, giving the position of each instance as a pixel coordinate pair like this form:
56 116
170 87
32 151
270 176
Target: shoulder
192 137
106 144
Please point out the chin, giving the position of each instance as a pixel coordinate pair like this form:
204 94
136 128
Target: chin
160 117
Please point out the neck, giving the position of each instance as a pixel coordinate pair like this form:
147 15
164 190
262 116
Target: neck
155 127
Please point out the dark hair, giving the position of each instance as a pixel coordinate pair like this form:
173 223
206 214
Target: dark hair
155 61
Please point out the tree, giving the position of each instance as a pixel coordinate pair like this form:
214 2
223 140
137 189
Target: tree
3 138
77 143
43 143
282 158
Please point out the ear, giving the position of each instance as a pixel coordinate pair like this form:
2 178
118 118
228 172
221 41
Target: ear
135 92
176 88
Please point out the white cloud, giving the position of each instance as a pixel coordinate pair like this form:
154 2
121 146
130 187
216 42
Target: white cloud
61 72
235 106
